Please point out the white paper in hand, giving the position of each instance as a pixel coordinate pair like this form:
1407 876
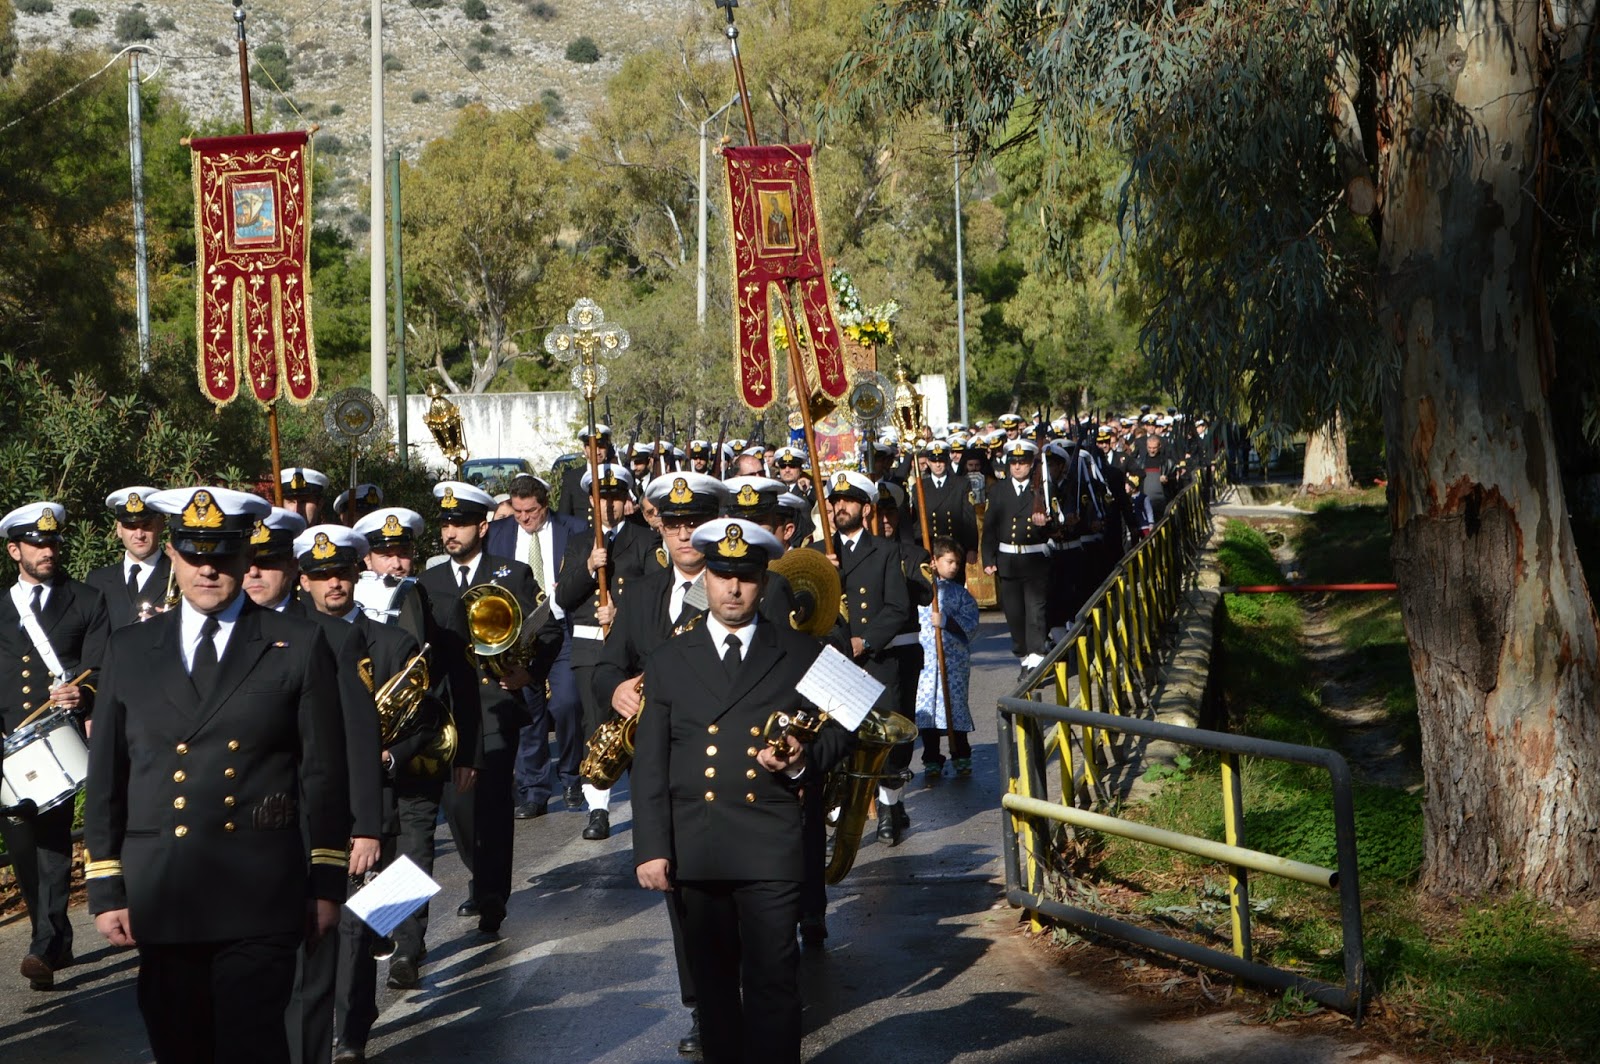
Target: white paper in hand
840 687
394 894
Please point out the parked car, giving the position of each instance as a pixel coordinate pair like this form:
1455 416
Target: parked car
493 474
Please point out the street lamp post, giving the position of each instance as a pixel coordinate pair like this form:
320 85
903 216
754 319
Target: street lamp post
700 275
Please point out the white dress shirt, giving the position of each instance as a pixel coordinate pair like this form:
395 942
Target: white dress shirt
146 567
720 632
22 597
679 578
547 555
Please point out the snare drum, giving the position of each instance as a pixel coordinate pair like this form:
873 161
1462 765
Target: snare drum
45 762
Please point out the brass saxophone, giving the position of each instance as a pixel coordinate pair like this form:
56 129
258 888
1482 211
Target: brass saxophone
609 751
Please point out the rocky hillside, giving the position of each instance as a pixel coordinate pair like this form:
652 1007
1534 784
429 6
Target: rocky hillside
441 55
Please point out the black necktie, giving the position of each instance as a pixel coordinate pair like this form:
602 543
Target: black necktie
463 569
37 603
731 656
683 603
204 670
133 581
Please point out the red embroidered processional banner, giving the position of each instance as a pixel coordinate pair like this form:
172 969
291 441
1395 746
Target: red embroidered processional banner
773 216
252 198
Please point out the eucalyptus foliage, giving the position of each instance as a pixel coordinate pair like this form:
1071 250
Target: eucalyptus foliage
1239 120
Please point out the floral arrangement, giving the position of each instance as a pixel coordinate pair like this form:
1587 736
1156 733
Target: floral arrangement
871 327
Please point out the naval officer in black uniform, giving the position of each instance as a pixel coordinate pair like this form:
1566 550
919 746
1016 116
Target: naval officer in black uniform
73 622
717 810
136 585
217 735
1016 535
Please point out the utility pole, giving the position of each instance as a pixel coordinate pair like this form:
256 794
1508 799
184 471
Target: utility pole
141 253
399 311
379 360
700 275
961 287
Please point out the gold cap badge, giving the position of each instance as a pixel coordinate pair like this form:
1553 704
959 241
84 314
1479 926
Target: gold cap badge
134 505
371 495
448 500
202 512
748 496
391 526
732 544
47 521
262 534
298 481
680 491
841 482
322 547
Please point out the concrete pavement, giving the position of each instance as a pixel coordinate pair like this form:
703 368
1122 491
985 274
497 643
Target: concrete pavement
924 962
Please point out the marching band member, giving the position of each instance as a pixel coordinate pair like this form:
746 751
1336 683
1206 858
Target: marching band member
136 586
304 492
52 629
1016 547
217 818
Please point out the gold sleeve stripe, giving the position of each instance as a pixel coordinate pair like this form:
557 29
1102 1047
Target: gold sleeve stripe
102 869
336 862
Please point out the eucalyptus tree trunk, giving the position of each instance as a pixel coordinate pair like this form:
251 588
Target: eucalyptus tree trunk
1327 464
1503 634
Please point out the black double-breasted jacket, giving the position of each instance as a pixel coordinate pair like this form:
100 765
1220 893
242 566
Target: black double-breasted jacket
876 605
1009 520
949 508
75 622
632 554
194 807
111 582
700 798
504 713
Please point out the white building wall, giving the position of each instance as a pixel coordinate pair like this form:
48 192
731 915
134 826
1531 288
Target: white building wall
538 426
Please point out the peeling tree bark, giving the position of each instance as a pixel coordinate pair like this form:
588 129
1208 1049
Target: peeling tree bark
1327 464
1502 629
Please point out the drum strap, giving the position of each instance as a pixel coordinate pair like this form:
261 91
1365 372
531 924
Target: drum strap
41 644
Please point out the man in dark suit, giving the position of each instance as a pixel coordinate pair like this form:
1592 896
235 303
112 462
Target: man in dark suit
481 820
216 820
340 994
1016 534
876 606
628 552
718 810
45 615
535 536
136 586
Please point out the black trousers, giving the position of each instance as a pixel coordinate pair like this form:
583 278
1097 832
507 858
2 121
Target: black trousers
814 846
1023 589
218 1002
746 965
484 826
309 1019
41 855
539 774
908 660
418 807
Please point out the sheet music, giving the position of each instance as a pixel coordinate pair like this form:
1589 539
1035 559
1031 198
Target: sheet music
394 894
696 595
841 688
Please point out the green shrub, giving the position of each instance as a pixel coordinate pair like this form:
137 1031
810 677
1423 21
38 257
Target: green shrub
476 10
541 10
83 18
132 25
166 22
392 64
270 67
474 62
429 4
35 7
421 96
583 50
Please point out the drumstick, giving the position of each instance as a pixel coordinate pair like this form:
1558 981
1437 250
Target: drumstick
75 681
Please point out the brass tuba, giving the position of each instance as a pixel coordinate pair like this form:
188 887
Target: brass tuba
502 637
817 590
850 786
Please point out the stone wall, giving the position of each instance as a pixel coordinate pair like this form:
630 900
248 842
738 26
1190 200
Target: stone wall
538 426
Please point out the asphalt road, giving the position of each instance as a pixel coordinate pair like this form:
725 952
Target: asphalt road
923 963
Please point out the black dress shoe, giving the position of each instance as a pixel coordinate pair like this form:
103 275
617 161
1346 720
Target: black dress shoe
885 824
532 810
403 973
573 796
348 1054
689 1044
468 909
599 826
902 819
493 915
39 974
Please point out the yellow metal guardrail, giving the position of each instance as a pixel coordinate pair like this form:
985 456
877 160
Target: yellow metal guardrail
1109 651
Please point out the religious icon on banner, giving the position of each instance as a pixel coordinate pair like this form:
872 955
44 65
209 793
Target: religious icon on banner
777 255
252 243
